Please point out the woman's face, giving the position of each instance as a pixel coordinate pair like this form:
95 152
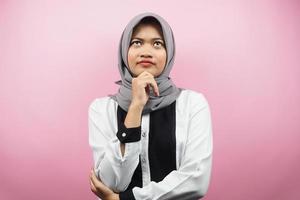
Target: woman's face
147 50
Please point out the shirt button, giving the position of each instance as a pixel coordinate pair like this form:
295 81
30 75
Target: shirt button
143 160
123 134
144 134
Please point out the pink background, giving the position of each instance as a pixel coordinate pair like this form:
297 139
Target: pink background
57 56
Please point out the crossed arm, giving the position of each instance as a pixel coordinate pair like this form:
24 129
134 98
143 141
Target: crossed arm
101 190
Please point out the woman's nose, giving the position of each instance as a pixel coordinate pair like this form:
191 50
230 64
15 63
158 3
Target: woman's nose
146 53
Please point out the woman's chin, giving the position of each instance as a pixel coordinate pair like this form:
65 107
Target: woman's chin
147 70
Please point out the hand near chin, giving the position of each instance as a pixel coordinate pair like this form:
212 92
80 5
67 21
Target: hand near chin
141 88
101 190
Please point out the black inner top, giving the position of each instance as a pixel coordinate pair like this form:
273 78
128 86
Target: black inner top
161 147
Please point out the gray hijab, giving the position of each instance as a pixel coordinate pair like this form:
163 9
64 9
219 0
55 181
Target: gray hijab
168 92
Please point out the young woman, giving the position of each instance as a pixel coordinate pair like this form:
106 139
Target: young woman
151 140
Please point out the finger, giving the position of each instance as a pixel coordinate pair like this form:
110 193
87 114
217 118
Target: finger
93 188
96 187
148 79
153 84
94 179
156 89
148 89
100 187
92 185
96 191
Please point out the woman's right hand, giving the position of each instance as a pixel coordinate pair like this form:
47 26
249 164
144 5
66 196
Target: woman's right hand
141 89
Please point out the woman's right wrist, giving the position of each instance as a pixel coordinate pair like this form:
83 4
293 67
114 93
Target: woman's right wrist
136 107
133 117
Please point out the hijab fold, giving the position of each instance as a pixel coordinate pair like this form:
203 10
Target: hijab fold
168 92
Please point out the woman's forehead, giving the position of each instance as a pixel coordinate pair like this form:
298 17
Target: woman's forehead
145 29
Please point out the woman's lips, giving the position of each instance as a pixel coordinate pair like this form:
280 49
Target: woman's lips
146 63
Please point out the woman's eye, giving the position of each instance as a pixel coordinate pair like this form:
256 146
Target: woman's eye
136 42
158 44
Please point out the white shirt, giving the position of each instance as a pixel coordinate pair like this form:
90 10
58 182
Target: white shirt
193 149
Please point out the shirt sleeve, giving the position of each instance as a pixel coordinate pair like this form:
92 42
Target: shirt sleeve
113 169
191 179
127 135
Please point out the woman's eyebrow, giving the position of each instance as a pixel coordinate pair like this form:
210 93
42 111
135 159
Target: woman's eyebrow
151 39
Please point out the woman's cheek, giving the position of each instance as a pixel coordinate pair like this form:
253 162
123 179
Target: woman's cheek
162 59
131 58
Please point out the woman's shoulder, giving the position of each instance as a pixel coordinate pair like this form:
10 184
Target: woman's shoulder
191 97
101 104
